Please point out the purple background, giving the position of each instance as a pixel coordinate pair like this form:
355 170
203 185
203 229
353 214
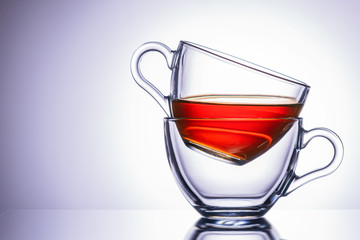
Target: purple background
77 132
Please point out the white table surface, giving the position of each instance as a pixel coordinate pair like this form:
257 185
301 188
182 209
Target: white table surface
166 224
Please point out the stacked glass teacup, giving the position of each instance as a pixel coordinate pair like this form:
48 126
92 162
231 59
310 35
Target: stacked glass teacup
232 131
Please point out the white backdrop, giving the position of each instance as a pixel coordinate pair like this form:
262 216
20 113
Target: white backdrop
77 132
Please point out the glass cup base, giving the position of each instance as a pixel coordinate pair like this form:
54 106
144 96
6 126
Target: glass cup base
232 213
236 224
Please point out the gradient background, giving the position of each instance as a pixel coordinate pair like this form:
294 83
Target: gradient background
77 132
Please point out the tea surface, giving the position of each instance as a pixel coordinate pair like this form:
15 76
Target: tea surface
236 106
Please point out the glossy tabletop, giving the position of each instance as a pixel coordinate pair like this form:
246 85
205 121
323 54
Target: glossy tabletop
172 224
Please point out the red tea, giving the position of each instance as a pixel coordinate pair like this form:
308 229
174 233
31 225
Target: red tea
215 128
236 106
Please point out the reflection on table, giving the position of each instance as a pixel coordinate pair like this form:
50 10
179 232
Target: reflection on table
175 225
255 229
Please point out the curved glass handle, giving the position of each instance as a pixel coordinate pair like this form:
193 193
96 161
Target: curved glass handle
334 139
140 79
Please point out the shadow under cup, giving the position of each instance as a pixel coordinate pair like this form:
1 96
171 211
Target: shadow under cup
238 168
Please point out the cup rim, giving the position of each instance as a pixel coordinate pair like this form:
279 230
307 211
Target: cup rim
232 119
244 63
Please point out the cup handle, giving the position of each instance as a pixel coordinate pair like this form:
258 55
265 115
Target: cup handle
140 79
298 181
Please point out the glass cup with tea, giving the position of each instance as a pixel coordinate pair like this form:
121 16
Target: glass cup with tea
206 83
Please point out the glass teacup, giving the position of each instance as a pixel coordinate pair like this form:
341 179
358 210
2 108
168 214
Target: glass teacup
201 75
239 168
233 132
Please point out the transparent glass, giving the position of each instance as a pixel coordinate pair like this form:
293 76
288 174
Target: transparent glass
215 167
206 75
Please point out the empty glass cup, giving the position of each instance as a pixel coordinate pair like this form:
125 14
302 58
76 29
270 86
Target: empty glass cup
230 168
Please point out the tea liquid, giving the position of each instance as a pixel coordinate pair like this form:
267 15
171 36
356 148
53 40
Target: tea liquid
236 106
212 124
